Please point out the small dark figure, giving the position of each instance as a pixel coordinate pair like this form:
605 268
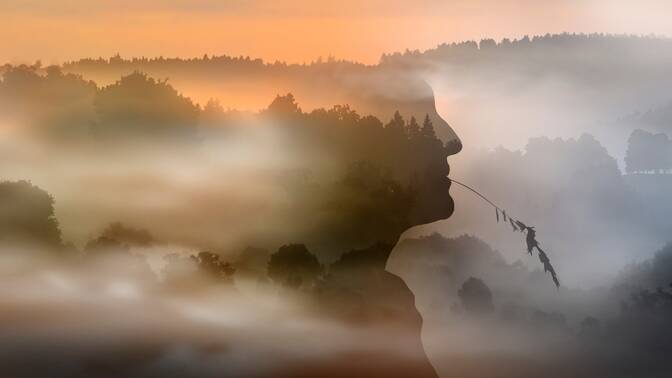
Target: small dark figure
531 239
532 243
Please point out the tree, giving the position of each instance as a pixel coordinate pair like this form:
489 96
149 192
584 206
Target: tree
366 206
212 266
397 124
128 235
138 105
413 128
362 261
648 152
294 266
54 104
284 106
253 261
428 128
27 215
476 297
213 113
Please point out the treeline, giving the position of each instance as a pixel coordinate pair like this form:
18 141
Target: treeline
598 42
56 104
137 102
205 64
335 289
383 176
648 153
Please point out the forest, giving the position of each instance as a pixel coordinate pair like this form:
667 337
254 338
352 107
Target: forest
223 198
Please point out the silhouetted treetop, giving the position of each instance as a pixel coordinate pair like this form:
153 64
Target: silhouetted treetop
362 261
469 52
648 152
27 215
128 235
53 104
476 297
294 266
371 180
212 266
284 106
138 104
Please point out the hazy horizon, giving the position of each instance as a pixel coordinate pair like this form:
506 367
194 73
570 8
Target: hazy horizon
335 188
349 30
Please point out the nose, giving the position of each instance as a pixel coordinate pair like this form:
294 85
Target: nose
443 129
453 146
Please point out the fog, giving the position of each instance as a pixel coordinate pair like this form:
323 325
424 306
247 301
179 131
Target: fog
505 92
97 184
102 317
545 123
150 238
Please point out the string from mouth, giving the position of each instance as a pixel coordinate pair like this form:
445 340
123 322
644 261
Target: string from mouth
517 225
476 192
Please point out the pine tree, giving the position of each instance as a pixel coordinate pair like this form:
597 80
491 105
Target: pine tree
397 123
413 128
428 128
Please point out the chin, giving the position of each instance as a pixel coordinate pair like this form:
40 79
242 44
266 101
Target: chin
446 209
436 207
445 204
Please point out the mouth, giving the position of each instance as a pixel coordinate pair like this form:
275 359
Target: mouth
448 182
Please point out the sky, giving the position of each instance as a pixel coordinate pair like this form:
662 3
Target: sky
297 31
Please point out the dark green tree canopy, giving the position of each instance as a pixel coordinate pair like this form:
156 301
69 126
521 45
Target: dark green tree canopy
140 105
128 235
284 107
294 266
476 296
212 265
27 215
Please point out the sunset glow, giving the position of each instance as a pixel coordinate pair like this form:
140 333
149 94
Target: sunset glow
296 31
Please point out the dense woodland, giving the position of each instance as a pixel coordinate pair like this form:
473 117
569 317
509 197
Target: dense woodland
365 180
594 77
458 52
386 179
391 172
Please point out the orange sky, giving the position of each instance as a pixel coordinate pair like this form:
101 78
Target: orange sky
297 30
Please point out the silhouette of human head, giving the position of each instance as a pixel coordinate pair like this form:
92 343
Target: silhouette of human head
392 89
391 147
434 202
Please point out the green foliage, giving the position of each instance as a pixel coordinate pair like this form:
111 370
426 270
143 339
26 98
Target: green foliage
428 128
366 206
476 297
253 261
361 263
140 105
294 266
284 107
211 265
375 181
128 235
27 215
55 104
